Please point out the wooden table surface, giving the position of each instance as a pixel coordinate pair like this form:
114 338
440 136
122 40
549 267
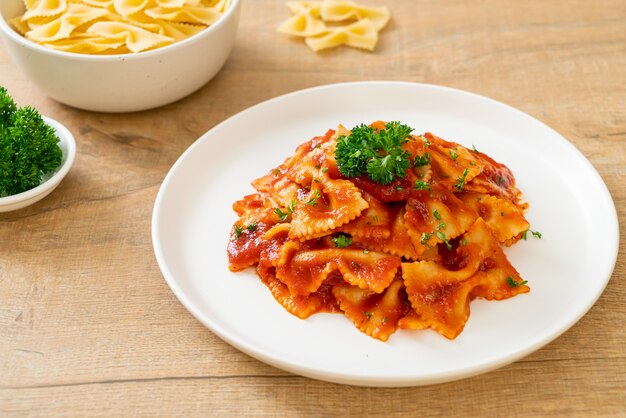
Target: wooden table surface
88 326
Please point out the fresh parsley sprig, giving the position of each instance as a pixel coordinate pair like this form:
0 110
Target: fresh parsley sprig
377 153
28 147
284 215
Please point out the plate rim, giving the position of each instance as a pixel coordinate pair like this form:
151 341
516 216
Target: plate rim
380 381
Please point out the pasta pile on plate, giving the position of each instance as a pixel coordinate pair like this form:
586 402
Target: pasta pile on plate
409 254
331 23
115 26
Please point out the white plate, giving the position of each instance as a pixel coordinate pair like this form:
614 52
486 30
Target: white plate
567 269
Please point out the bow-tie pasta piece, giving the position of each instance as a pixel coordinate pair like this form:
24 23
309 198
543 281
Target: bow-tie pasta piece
129 7
376 315
331 23
196 15
87 45
341 10
64 25
361 34
21 26
99 3
45 8
179 31
136 39
306 20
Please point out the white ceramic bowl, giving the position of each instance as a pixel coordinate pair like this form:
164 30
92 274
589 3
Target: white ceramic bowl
68 147
123 83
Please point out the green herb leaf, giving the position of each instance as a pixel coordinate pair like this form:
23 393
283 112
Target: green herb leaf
460 182
513 283
425 238
436 215
378 154
536 234
421 185
443 238
28 147
342 241
454 155
284 215
368 315
421 161
313 201
238 231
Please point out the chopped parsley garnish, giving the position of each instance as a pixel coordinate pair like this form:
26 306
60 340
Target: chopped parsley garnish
399 188
325 169
426 141
284 215
443 238
342 241
276 172
513 283
501 213
441 226
378 154
421 185
536 234
500 180
375 218
474 149
460 182
436 215
366 251
421 161
238 231
318 166
368 314
313 201
252 227
426 237
454 155
463 242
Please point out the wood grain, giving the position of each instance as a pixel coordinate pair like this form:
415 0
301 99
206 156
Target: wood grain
89 327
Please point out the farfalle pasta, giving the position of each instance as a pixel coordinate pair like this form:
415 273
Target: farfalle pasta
330 23
406 251
115 26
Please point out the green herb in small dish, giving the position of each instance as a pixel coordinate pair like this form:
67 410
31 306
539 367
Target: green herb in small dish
29 148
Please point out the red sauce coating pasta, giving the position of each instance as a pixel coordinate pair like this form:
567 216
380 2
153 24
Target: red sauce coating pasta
409 254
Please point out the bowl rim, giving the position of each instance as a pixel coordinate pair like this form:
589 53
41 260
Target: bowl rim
9 33
65 137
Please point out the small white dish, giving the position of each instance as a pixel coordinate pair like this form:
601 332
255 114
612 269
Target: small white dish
68 147
567 269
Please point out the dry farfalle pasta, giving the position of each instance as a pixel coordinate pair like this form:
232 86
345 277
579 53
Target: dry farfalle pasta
330 23
115 26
